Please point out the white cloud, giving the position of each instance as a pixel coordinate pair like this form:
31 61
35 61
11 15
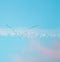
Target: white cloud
29 33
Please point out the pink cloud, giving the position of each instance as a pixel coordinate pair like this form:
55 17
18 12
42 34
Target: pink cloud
18 58
51 53
55 54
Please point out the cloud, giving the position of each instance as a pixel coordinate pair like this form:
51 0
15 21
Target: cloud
28 32
55 54
18 58
51 53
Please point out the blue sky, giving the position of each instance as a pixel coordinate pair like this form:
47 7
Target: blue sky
45 14
26 13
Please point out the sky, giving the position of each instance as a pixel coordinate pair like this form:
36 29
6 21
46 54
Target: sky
30 44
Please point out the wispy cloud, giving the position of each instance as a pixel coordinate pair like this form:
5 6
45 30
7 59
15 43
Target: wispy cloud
29 32
18 58
34 45
51 53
